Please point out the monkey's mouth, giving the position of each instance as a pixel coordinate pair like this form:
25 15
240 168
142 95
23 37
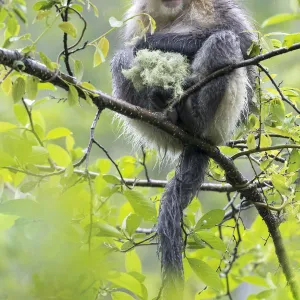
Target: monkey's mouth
171 3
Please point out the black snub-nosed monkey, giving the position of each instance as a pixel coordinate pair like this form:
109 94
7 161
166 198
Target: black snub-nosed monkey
212 34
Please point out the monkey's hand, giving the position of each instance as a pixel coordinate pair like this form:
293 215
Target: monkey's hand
143 43
159 97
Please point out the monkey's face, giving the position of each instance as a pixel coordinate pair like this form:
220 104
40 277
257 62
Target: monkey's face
172 3
167 8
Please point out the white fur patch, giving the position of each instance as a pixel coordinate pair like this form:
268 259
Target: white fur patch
140 134
233 104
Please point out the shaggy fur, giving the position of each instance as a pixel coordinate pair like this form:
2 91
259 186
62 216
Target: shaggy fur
211 34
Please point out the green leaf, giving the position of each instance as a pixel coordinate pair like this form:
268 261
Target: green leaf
280 18
5 126
6 160
46 61
88 100
103 165
121 296
280 183
209 276
95 9
18 89
210 239
294 161
253 122
251 143
7 85
57 133
132 222
44 5
291 39
133 262
265 141
126 281
28 186
21 114
101 51
47 86
278 110
32 87
20 207
72 95
77 7
88 86
115 23
78 69
42 14
38 155
59 155
68 28
211 219
111 179
127 246
12 25
255 280
107 230
142 206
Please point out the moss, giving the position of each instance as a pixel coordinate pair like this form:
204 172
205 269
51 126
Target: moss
156 68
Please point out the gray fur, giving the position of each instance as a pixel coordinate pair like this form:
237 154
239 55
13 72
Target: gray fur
212 34
177 196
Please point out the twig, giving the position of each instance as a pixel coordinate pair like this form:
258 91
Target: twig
271 148
140 243
28 111
143 163
6 75
113 162
209 187
65 17
285 99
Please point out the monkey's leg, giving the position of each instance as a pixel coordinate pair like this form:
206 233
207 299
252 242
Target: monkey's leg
198 112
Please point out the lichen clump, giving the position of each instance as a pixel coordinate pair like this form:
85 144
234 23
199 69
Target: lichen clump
156 68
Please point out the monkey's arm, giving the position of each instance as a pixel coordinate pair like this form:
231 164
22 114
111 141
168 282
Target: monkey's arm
186 44
152 98
197 113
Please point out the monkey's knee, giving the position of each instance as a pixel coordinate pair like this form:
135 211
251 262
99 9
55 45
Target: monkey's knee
219 50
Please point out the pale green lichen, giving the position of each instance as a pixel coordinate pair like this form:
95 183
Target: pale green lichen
156 68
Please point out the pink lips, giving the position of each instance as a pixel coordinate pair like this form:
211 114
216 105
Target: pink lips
171 3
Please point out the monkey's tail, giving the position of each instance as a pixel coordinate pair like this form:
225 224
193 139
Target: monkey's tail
179 192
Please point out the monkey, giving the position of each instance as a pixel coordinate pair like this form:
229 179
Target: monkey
212 34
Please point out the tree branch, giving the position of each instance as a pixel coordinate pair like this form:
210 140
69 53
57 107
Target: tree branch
248 62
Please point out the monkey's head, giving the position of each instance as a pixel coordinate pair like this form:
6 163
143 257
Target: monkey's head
168 8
